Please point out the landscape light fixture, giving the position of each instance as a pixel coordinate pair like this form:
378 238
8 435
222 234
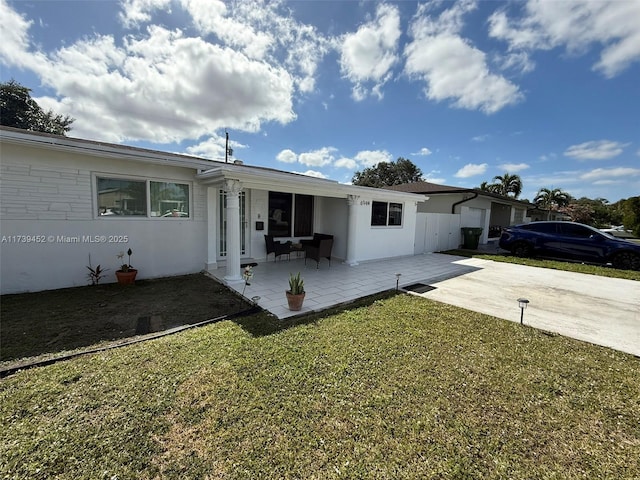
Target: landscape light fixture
255 300
398 275
522 303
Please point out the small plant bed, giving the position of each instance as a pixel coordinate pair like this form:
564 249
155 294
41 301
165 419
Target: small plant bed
403 388
59 320
601 270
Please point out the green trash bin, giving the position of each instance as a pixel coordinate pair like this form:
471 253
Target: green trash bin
471 237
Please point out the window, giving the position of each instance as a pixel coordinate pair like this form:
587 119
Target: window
169 199
386 214
122 197
573 230
543 227
518 216
280 214
142 198
395 214
290 213
303 216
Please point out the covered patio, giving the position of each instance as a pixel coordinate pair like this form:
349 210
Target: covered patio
340 283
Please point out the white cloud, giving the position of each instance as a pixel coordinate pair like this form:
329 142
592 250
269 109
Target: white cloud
576 26
452 68
601 174
595 150
287 156
433 178
424 151
138 91
313 173
370 158
317 158
517 61
164 86
514 167
348 163
470 170
369 54
14 31
135 12
545 157
213 147
481 138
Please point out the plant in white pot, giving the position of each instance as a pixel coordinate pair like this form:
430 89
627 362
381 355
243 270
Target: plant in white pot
295 294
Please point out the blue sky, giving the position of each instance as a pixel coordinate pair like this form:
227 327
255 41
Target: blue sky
467 90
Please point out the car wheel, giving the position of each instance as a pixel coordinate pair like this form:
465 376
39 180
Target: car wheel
521 249
626 261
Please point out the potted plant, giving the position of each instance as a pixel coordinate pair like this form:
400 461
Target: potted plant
295 294
126 275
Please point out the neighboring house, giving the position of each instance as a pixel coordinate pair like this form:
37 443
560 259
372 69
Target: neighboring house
65 199
449 209
538 214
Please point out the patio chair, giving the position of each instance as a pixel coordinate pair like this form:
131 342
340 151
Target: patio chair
277 248
318 248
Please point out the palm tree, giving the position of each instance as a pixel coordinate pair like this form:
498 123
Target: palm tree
508 184
551 199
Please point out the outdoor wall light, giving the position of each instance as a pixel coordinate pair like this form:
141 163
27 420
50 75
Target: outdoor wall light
398 275
522 303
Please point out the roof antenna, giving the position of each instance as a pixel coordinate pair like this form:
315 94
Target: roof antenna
227 151
226 147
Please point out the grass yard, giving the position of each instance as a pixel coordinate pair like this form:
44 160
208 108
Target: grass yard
600 270
402 388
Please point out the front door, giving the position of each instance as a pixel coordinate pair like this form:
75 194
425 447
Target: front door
244 226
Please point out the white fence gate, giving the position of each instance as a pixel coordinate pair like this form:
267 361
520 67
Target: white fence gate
436 232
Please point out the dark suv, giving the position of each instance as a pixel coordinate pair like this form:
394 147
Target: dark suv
570 241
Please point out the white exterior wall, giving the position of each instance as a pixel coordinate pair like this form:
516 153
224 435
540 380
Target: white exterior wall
384 242
331 218
50 195
439 203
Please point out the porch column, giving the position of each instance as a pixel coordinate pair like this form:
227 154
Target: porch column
212 228
232 190
352 230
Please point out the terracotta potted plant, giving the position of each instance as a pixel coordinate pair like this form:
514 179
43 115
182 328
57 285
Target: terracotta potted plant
126 275
295 294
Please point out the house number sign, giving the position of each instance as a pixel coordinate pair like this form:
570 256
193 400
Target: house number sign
365 202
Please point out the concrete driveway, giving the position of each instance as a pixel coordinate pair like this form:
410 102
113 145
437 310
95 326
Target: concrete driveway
599 310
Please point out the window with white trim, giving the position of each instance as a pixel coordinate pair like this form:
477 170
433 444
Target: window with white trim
125 197
290 214
385 214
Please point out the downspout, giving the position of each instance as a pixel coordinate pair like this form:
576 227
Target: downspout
453 207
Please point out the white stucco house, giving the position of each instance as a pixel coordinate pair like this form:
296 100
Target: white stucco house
64 199
449 209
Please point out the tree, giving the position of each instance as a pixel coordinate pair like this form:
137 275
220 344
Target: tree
386 174
551 199
598 213
487 187
631 209
580 213
19 110
508 184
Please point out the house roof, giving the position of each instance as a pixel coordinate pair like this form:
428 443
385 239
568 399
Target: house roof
427 188
207 171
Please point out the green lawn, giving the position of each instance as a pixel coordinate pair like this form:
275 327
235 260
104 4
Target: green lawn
601 270
402 388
